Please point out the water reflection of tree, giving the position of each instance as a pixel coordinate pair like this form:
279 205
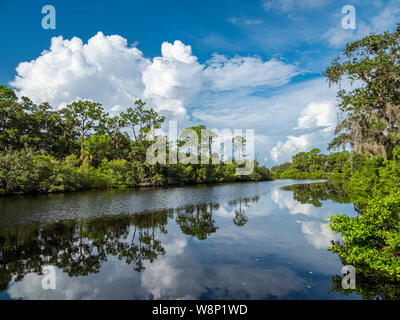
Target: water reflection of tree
240 205
197 220
314 193
79 247
369 287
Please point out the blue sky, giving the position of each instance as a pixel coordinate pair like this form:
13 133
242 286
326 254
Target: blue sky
235 64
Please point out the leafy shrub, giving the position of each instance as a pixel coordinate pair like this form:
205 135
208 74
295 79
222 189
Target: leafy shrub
16 174
119 173
371 241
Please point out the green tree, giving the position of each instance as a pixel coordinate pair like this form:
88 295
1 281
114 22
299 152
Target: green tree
370 110
83 116
141 120
96 148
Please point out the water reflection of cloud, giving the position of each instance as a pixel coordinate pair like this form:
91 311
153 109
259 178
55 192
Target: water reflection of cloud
225 211
30 288
168 282
162 276
284 199
252 283
317 234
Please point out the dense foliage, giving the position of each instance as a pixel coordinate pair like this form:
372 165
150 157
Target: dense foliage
82 147
371 240
314 165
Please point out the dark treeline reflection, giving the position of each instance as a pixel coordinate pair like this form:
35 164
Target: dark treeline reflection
314 193
79 247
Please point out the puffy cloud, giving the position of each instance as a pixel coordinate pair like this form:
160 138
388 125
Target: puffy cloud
178 51
237 72
109 71
173 79
321 117
105 69
273 116
318 115
290 147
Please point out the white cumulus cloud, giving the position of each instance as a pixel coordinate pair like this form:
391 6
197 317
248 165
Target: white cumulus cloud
109 71
290 147
174 78
105 69
318 116
237 72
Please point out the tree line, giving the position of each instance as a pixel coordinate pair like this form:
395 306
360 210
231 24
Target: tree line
80 146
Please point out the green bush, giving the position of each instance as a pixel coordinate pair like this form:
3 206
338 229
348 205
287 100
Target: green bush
119 173
16 174
371 241
67 177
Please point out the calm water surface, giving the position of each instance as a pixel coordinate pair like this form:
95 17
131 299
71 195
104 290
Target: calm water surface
231 241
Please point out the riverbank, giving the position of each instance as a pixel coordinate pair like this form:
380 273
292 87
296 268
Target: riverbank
25 173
